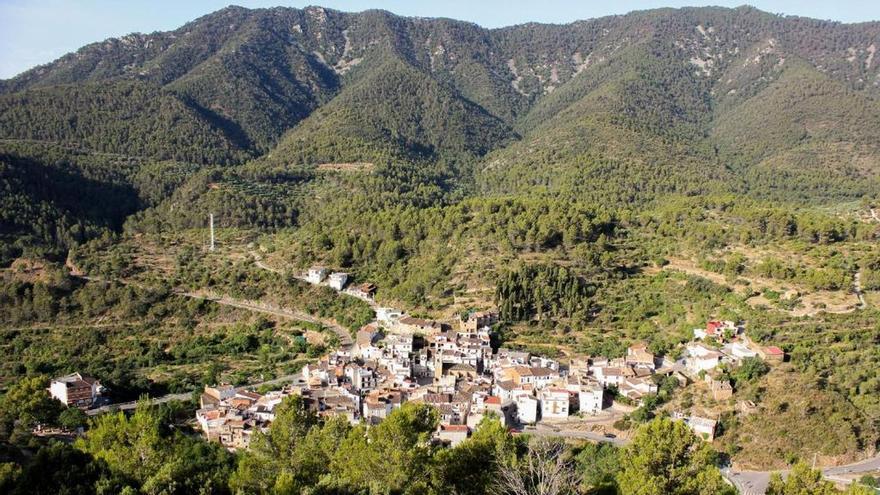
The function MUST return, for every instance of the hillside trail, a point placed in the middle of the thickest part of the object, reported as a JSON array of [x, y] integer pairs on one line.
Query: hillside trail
[[345, 339], [258, 262]]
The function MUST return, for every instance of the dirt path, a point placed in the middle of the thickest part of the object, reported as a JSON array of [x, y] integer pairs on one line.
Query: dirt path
[[344, 335], [345, 340], [258, 262]]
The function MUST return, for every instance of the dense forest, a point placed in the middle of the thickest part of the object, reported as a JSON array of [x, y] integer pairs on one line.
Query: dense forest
[[620, 111]]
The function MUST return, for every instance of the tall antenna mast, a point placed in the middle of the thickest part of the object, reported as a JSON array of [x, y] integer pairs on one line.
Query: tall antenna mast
[[211, 216]]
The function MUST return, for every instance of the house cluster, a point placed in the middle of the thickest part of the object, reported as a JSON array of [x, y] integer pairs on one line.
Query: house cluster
[[319, 275], [399, 358], [631, 375], [76, 390], [724, 342], [720, 342], [231, 416]]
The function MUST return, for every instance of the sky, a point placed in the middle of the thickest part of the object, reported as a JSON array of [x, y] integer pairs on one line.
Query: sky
[[34, 32]]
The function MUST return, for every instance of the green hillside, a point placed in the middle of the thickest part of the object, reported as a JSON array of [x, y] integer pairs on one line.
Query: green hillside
[[605, 182], [396, 112], [125, 118]]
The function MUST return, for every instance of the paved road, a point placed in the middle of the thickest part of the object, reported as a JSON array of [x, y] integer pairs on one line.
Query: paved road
[[545, 430], [755, 482], [865, 466], [748, 482], [128, 406]]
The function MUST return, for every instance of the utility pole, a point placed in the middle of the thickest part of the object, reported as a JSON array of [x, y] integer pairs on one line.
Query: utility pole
[[211, 217]]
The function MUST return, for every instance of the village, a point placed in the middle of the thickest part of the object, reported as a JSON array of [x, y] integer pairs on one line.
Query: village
[[453, 367]]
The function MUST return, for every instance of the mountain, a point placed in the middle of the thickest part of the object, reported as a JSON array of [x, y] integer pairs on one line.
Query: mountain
[[252, 75], [119, 117], [621, 109], [396, 112]]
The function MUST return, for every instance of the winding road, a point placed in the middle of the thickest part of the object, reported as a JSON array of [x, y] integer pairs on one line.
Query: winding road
[[345, 340], [128, 406], [755, 482], [747, 482]]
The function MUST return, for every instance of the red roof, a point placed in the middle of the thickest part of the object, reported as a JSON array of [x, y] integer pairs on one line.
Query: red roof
[[454, 427], [492, 399], [773, 350]]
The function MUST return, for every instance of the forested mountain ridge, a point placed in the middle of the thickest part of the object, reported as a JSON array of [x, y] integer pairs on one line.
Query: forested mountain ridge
[[620, 109], [257, 73]]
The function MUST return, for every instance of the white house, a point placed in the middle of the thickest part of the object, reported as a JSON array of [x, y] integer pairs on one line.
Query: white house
[[75, 390], [316, 274], [739, 351], [338, 279], [591, 397], [716, 329], [505, 389], [554, 403], [538, 376], [362, 379], [526, 408], [399, 344], [610, 375], [702, 427], [701, 358], [370, 353], [453, 434], [210, 419], [635, 388]]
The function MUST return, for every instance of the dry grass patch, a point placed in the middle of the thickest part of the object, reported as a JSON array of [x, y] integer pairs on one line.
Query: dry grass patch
[[797, 419]]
